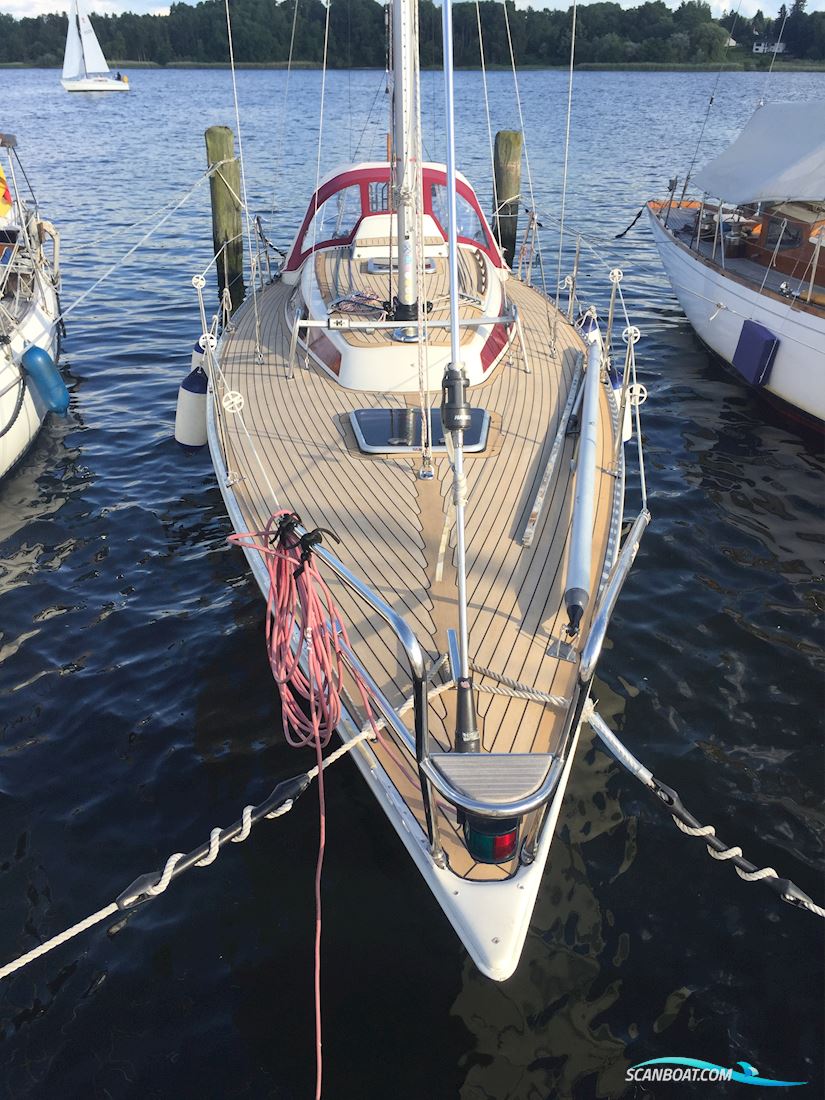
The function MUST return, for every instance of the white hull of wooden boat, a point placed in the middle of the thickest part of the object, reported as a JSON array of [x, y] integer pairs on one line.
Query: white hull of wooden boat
[[716, 305], [96, 84], [38, 326], [490, 918]]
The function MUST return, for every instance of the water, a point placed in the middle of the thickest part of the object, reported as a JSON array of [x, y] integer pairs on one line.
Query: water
[[138, 709]]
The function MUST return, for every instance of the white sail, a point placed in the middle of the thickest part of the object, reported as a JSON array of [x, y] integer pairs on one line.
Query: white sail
[[73, 57], [92, 53]]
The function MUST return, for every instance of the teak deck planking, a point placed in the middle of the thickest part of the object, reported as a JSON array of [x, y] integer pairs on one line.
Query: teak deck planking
[[295, 437]]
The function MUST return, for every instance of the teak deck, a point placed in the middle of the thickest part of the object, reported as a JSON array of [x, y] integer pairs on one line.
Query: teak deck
[[294, 435]]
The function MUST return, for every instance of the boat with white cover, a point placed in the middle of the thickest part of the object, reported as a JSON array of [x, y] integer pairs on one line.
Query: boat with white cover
[[84, 66], [30, 383], [746, 258], [397, 384]]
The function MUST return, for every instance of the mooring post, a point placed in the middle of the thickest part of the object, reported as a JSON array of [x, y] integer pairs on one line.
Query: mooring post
[[227, 231], [507, 168]]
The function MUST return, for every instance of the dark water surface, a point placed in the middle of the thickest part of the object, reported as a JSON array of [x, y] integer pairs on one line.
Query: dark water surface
[[138, 709]]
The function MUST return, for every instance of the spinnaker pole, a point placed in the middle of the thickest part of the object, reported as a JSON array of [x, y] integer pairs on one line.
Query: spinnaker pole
[[577, 587]]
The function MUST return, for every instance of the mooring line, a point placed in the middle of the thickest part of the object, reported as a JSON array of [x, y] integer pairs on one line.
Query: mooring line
[[691, 826], [152, 885]]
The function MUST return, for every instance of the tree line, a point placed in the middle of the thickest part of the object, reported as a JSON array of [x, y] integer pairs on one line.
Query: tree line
[[803, 34], [262, 30]]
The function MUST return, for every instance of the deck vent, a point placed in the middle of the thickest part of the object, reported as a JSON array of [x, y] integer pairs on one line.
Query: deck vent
[[398, 431]]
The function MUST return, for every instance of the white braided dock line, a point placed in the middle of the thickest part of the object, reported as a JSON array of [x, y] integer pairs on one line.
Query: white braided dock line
[[728, 853], [56, 941], [166, 875], [645, 776]]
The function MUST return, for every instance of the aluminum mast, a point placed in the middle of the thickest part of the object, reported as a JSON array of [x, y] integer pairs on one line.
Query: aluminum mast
[[405, 73]]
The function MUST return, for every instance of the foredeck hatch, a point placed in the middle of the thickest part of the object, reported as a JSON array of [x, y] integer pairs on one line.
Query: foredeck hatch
[[398, 431]]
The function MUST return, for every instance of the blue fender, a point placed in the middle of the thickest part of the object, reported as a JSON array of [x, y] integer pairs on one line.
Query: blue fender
[[43, 372]]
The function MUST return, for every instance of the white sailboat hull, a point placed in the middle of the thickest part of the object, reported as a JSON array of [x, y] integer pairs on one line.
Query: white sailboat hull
[[39, 327], [95, 84], [717, 304]]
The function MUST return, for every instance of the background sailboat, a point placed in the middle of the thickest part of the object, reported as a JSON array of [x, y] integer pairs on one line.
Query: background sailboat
[[749, 268], [84, 66]]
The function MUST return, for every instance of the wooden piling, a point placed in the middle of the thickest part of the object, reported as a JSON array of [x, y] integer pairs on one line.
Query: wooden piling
[[507, 168], [225, 190]]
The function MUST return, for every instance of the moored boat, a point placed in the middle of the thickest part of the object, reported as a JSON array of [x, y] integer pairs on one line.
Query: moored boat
[[746, 258], [399, 387], [30, 383]]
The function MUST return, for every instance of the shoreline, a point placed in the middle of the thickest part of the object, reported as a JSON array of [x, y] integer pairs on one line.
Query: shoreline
[[586, 66]]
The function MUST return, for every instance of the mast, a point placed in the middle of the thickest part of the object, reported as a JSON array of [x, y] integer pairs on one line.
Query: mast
[[82, 47], [76, 12], [405, 87]]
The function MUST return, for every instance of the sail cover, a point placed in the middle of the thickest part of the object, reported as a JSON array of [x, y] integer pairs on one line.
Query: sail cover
[[73, 57], [779, 156], [92, 53]]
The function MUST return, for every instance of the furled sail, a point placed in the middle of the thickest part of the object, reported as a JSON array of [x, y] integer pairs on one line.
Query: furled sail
[[73, 57], [92, 53]]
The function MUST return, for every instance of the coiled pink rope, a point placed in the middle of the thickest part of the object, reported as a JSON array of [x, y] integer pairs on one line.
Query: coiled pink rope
[[303, 621]]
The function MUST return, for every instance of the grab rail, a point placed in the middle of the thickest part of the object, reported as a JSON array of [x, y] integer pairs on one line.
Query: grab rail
[[399, 625], [518, 808], [418, 670]]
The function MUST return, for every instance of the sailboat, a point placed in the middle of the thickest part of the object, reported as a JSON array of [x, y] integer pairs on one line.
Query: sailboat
[[399, 386], [84, 66], [745, 256], [30, 382]]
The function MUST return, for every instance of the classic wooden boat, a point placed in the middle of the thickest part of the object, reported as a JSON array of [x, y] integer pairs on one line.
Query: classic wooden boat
[[478, 564], [746, 258], [30, 383]]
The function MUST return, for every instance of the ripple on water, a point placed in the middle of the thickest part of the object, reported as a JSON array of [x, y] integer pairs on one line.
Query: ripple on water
[[138, 710]]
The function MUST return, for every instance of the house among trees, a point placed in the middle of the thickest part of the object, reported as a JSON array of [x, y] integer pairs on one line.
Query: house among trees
[[767, 47]]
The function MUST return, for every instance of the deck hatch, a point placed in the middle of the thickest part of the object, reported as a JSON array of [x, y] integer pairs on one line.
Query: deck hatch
[[398, 431]]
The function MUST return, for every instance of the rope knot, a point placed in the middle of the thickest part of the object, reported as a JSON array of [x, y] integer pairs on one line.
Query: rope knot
[[308, 541], [284, 528]]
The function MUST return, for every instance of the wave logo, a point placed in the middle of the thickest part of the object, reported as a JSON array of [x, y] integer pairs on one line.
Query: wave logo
[[674, 1069]]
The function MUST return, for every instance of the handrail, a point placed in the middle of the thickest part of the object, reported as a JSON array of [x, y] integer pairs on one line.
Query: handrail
[[418, 669], [618, 574], [399, 625], [388, 711], [348, 322], [519, 808]]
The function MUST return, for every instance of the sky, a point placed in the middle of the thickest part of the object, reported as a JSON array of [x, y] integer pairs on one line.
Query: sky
[[39, 7]]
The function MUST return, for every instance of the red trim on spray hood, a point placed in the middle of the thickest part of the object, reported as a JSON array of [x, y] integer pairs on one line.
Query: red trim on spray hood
[[363, 177]]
